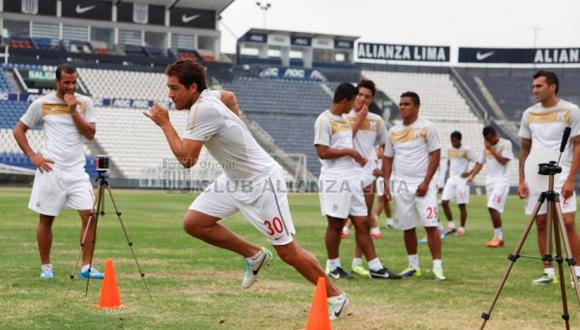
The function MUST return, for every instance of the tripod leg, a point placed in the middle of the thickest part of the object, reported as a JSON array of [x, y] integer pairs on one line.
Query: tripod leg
[[100, 211], [559, 260], [129, 243], [94, 215], [513, 258], [570, 257]]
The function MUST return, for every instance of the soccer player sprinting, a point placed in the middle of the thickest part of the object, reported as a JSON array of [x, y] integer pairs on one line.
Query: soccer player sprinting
[[369, 131], [60, 180], [341, 187], [458, 157], [496, 155], [542, 125], [412, 155], [252, 182]]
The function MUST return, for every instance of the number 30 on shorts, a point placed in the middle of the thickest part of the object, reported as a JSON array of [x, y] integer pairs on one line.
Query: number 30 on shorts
[[274, 226]]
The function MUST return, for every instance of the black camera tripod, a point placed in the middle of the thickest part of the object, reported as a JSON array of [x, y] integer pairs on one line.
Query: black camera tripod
[[99, 210], [555, 222]]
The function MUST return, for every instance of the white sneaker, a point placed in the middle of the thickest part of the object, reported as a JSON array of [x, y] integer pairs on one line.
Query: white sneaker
[[336, 305], [252, 268], [46, 272]]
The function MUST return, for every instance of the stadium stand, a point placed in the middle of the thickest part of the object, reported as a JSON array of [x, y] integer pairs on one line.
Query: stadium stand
[[138, 85], [286, 109]]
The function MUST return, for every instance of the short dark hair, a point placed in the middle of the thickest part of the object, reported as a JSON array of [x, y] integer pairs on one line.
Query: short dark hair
[[344, 91], [550, 76], [456, 135], [414, 96], [368, 84], [65, 67], [487, 130], [188, 72]]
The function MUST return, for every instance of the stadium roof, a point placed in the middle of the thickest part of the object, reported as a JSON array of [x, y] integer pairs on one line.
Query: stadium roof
[[217, 5], [303, 34]]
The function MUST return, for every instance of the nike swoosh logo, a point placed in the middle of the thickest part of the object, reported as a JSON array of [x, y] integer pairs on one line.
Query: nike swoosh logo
[[337, 313], [335, 276], [82, 10], [187, 19], [482, 56], [255, 271]]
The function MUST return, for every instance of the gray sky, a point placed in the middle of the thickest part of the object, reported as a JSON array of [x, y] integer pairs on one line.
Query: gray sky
[[487, 23]]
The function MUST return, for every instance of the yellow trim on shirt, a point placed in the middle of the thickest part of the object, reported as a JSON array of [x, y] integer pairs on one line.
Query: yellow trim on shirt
[[54, 109], [549, 117], [367, 125], [337, 126], [409, 135], [457, 154]]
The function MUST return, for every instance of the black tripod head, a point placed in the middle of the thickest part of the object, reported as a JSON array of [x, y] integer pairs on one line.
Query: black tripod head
[[553, 167]]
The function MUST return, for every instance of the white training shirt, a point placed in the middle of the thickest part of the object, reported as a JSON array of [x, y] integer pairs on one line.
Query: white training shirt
[[497, 172], [410, 146], [371, 133], [545, 127], [227, 139], [63, 143], [459, 159], [335, 132]]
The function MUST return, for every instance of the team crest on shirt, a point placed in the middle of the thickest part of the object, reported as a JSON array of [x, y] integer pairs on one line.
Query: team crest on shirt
[[561, 116], [416, 134], [373, 125]]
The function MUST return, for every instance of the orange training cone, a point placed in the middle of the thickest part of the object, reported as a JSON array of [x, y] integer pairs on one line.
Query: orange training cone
[[110, 297], [318, 318]]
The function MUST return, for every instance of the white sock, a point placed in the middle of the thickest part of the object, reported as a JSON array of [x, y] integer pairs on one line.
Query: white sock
[[551, 273], [451, 224], [441, 228], [375, 264], [345, 230], [333, 263], [413, 260], [437, 263], [255, 258], [375, 230], [356, 262], [85, 268], [46, 267], [577, 269], [498, 233], [389, 220], [462, 229]]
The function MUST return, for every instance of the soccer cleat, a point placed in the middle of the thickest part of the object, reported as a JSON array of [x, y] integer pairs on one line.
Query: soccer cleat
[[390, 223], [438, 274], [46, 272], [336, 305], [383, 273], [378, 235], [450, 230], [359, 270], [459, 232], [253, 268], [339, 273], [545, 279], [422, 240], [344, 232], [94, 274], [411, 272], [495, 243]]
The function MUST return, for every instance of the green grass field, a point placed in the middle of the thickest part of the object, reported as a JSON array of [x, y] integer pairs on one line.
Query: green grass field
[[196, 286]]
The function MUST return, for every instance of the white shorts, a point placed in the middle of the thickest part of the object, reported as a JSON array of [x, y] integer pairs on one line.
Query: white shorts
[[409, 205], [341, 198], [567, 205], [497, 193], [380, 186], [52, 191], [263, 202], [456, 190]]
